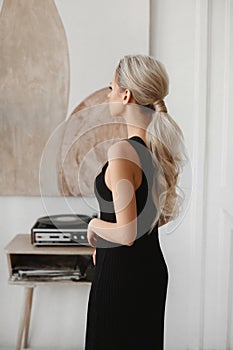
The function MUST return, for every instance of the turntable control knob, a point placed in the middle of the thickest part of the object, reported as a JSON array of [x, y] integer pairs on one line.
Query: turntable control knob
[[82, 237], [75, 237]]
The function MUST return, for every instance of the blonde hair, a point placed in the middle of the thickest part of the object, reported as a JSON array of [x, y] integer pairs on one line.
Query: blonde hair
[[148, 82]]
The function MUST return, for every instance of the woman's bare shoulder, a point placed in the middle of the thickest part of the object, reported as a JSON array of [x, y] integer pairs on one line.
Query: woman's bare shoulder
[[122, 149]]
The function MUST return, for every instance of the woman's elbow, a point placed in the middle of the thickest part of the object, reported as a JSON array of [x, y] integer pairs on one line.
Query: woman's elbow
[[129, 240], [130, 244]]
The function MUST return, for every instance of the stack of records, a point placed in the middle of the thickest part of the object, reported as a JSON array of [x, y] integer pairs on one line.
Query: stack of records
[[47, 275]]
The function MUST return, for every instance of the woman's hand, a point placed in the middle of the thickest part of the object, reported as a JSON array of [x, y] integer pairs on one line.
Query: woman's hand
[[91, 235]]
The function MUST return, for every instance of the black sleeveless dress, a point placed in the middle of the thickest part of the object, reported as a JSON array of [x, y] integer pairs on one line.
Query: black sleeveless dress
[[127, 299]]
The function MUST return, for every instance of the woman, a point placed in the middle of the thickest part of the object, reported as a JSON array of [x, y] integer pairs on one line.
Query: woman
[[137, 193]]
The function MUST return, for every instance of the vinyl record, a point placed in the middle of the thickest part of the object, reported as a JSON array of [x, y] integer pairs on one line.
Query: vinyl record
[[63, 221]]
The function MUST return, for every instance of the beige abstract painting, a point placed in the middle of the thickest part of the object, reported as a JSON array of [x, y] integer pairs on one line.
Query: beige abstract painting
[[34, 89]]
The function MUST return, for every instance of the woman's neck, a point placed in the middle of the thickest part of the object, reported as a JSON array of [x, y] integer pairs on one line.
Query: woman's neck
[[137, 121], [134, 131]]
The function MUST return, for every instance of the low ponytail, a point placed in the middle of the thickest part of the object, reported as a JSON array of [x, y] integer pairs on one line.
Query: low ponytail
[[166, 142]]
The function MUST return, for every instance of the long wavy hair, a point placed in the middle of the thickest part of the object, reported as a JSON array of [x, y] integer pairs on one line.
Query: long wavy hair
[[148, 82]]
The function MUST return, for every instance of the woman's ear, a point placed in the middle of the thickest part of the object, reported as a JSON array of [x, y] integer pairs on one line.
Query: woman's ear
[[127, 95]]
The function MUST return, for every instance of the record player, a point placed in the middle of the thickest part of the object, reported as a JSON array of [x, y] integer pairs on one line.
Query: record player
[[64, 229]]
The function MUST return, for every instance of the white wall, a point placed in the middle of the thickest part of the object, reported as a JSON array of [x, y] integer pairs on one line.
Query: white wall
[[173, 42], [194, 39], [98, 34]]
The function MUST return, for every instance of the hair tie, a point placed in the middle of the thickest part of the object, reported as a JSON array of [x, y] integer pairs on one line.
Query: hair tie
[[160, 106]]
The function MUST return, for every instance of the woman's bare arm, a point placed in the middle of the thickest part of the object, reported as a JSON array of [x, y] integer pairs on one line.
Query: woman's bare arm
[[121, 183]]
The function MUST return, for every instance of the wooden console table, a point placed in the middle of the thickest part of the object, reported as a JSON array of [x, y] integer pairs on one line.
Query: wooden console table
[[20, 252]]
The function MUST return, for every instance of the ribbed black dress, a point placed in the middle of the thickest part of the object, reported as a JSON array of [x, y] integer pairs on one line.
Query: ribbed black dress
[[127, 299]]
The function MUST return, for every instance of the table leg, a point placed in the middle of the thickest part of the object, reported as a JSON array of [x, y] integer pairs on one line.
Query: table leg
[[28, 316], [25, 316]]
